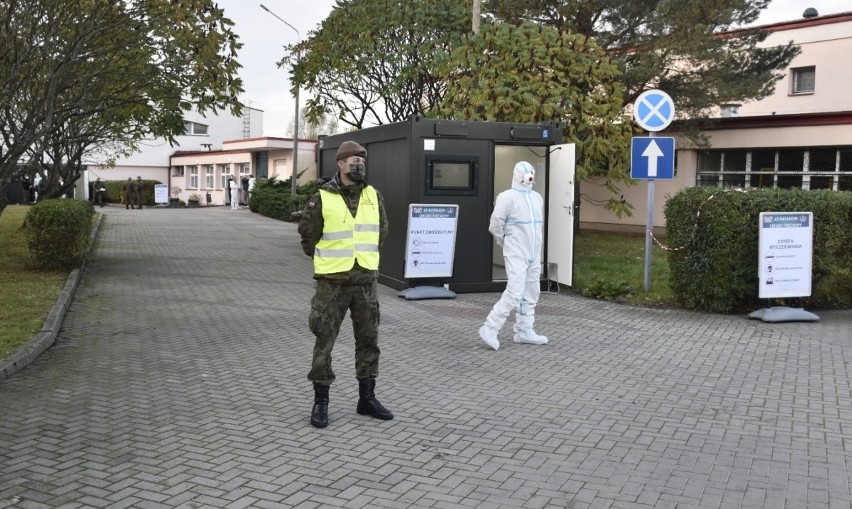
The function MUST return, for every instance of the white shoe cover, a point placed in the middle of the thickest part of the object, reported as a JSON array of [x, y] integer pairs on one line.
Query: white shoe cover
[[489, 335], [529, 336]]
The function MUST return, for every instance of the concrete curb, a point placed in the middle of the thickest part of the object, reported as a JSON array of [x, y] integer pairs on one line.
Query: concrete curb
[[50, 329]]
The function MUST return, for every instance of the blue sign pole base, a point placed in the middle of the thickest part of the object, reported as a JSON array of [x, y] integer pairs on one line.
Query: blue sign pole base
[[784, 314]]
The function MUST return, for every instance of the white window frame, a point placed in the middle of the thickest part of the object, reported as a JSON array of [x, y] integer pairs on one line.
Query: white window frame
[[244, 170], [224, 172], [193, 177], [208, 176], [177, 171], [195, 129]]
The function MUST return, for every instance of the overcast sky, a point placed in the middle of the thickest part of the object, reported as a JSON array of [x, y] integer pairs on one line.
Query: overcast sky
[[263, 37]]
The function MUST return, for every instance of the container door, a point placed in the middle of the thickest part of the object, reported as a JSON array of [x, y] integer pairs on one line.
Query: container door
[[560, 215], [505, 158]]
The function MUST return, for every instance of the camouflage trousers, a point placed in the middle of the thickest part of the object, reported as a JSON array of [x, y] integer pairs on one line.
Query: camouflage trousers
[[328, 309]]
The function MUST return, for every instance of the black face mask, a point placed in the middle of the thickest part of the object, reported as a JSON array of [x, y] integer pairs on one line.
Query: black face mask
[[357, 171]]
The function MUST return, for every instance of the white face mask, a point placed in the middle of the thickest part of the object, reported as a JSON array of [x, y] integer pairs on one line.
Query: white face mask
[[528, 179]]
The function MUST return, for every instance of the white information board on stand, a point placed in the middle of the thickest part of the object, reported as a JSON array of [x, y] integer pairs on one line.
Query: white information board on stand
[[785, 254], [161, 194], [785, 257], [430, 243]]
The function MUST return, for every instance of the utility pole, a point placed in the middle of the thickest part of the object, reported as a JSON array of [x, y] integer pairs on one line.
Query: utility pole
[[477, 11], [294, 176]]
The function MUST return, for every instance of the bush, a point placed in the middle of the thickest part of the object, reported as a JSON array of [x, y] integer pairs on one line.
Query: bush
[[717, 268], [273, 198], [57, 232], [609, 290]]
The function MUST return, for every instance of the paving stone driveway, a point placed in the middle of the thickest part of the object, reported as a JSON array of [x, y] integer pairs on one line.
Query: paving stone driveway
[[179, 380]]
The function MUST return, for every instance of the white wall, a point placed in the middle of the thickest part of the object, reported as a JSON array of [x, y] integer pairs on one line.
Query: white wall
[[222, 127], [828, 48]]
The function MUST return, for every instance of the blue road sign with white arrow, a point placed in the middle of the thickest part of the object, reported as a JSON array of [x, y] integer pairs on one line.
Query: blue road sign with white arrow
[[652, 158]]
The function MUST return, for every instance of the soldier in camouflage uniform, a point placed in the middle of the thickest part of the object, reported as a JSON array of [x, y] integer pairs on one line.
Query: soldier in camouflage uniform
[[138, 187], [342, 227], [128, 193], [98, 192]]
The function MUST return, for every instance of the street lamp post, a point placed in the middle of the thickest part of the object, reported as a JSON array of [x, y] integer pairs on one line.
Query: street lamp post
[[294, 175]]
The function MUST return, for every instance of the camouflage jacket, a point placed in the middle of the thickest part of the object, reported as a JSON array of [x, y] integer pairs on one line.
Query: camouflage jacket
[[311, 226]]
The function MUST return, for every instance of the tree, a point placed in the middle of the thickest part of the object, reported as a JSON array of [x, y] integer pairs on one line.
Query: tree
[[673, 45], [313, 129], [532, 73], [370, 54], [76, 76], [375, 61]]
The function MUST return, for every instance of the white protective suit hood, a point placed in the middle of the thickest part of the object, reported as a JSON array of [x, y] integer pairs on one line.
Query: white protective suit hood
[[523, 176]]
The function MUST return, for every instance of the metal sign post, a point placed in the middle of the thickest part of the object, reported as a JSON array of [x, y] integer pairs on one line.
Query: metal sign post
[[649, 224], [653, 111]]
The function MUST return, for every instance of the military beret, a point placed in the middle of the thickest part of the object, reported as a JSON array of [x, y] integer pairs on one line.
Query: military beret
[[350, 148]]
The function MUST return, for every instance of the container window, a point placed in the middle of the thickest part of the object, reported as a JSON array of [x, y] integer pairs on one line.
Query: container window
[[451, 175]]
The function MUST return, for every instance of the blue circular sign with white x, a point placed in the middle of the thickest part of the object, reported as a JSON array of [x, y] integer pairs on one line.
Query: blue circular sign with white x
[[653, 110]]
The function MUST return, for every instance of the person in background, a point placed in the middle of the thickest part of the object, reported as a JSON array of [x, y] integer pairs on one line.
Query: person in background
[[36, 186], [128, 193], [251, 183], [517, 225], [98, 192], [138, 189], [342, 227], [26, 189], [235, 193], [244, 185]]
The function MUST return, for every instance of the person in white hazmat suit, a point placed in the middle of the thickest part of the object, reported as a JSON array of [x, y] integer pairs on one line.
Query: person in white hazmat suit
[[235, 193], [517, 225]]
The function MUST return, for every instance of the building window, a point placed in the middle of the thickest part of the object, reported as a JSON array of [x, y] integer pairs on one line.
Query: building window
[[193, 177], [194, 128], [177, 171], [244, 169], [789, 168], [225, 172], [791, 163], [844, 166], [282, 169], [822, 160], [208, 176], [804, 80]]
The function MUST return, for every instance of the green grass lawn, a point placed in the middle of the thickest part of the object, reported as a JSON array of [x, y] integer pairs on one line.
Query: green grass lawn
[[611, 266], [26, 295]]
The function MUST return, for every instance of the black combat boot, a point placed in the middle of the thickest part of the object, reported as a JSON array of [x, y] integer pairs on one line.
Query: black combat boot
[[319, 415], [368, 404]]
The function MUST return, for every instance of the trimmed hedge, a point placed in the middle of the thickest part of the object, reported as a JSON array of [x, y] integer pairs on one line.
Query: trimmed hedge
[[57, 232], [717, 270], [273, 198]]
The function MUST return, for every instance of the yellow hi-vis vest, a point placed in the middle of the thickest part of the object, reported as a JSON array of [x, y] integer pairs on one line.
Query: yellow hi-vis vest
[[346, 239]]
